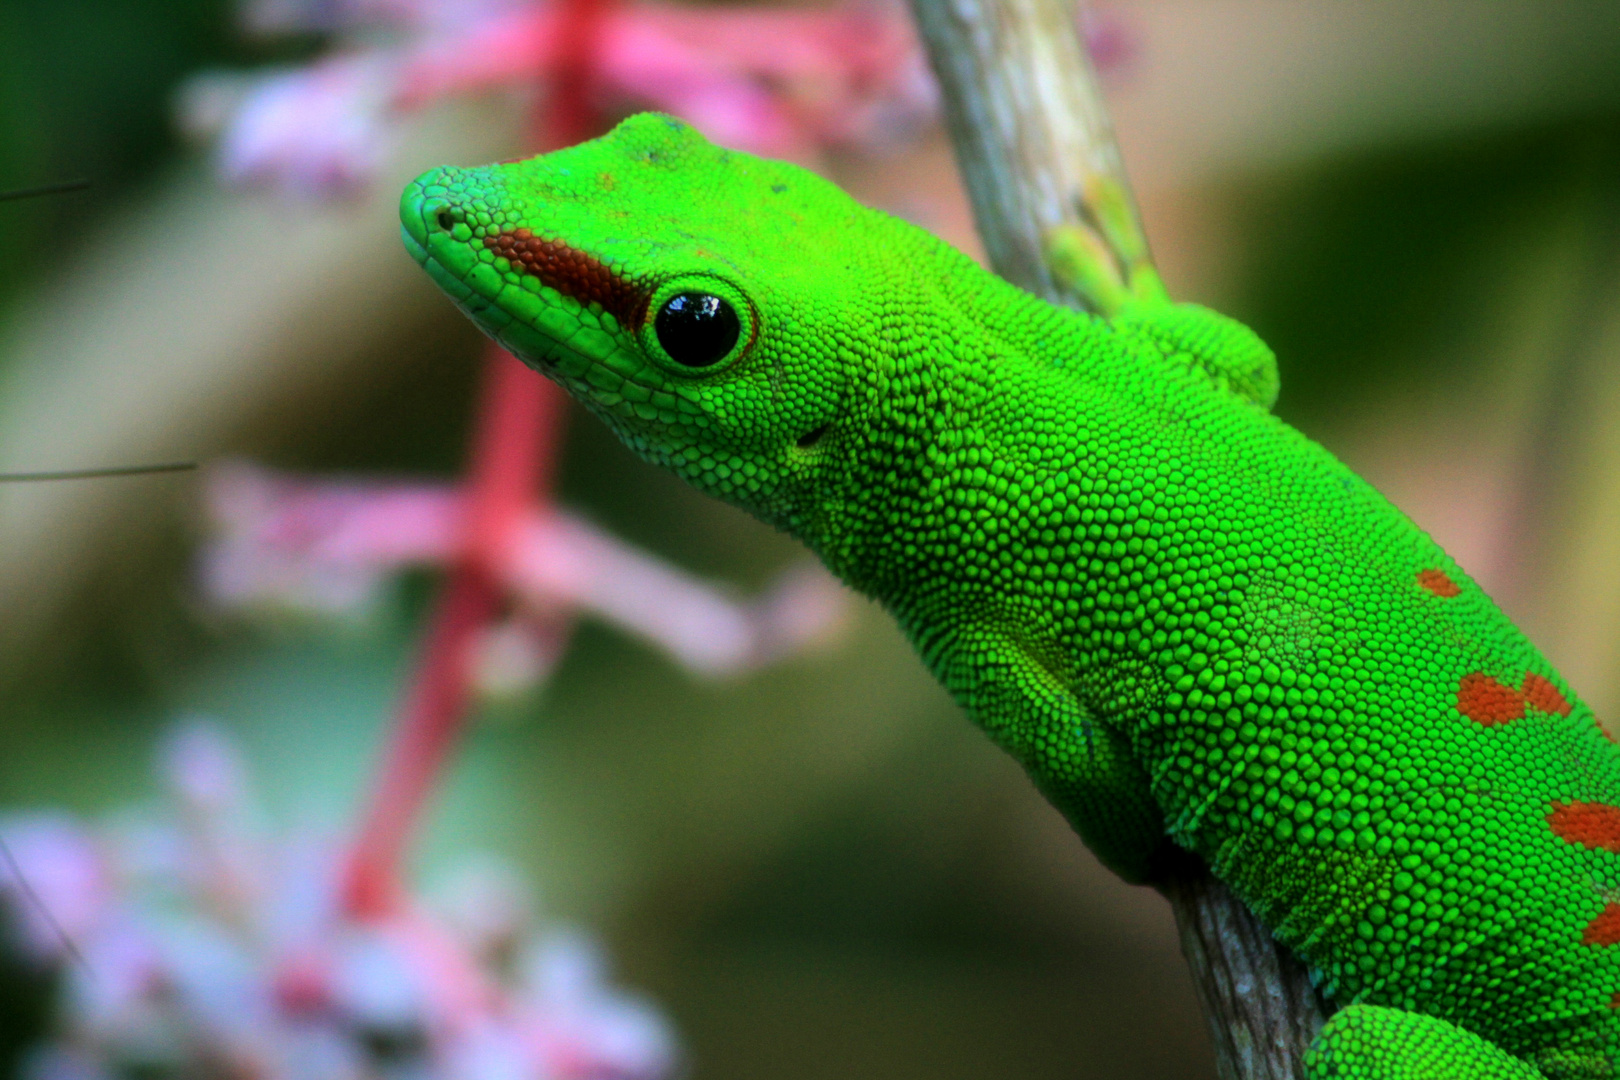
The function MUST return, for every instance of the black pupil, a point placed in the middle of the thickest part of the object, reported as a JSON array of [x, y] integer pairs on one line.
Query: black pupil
[[697, 329]]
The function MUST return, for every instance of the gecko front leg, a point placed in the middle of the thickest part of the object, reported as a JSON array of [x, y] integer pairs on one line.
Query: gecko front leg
[[1080, 762]]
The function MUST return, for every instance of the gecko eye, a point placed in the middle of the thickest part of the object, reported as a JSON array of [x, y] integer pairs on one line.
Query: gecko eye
[[697, 329]]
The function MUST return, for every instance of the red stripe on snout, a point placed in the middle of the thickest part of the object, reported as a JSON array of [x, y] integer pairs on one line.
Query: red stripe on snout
[[572, 272]]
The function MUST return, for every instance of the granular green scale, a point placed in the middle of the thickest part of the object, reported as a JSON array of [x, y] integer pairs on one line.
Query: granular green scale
[[1192, 625]]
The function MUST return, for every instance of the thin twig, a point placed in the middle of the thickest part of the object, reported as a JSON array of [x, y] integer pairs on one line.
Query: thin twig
[[97, 474], [44, 189], [39, 905]]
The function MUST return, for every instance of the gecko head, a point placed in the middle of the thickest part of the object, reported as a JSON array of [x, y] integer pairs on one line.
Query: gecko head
[[681, 291]]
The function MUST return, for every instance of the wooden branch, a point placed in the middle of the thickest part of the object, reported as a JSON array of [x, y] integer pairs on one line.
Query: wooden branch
[[1038, 155], [1258, 998], [1027, 118]]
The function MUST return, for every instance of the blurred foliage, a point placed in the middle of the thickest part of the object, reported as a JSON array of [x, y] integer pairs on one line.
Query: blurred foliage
[[86, 91], [25, 999], [1365, 269]]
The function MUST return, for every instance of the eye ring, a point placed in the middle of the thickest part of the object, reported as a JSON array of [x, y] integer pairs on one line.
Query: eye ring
[[696, 325]]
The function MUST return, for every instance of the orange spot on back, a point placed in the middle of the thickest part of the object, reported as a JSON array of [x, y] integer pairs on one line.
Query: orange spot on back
[[1486, 701], [1605, 929], [1593, 825], [1543, 695], [1614, 1000], [1437, 582]]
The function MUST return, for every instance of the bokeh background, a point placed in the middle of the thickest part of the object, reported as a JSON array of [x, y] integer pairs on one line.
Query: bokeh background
[[817, 869]]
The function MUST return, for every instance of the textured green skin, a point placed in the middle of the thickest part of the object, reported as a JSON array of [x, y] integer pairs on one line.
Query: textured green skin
[[1190, 623]]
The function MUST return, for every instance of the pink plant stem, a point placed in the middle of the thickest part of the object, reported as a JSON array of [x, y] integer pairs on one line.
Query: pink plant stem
[[572, 116], [514, 449]]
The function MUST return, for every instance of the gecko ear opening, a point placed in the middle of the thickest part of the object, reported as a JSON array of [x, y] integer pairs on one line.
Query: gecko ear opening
[[813, 436]]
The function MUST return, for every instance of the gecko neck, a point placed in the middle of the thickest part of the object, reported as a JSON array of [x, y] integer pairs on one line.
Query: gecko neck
[[942, 444]]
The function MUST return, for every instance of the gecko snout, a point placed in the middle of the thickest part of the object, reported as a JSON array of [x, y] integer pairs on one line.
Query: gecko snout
[[438, 202]]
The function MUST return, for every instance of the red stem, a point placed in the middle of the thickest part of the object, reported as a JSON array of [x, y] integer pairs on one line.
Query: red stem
[[571, 115], [514, 448]]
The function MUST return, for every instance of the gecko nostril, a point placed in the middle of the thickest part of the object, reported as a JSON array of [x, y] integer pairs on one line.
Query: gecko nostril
[[446, 220]]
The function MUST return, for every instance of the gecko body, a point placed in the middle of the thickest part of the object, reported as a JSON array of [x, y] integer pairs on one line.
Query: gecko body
[[1192, 625]]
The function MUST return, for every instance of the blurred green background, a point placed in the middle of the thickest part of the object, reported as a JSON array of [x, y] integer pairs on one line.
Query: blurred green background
[[818, 870]]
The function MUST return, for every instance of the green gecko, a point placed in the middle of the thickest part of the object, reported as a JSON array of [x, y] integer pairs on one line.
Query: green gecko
[[1192, 625]]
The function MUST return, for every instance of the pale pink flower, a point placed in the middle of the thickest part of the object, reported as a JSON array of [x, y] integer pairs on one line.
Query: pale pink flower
[[574, 1017], [779, 82], [775, 81], [1108, 38], [319, 130], [329, 16], [331, 545], [782, 82], [191, 974]]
